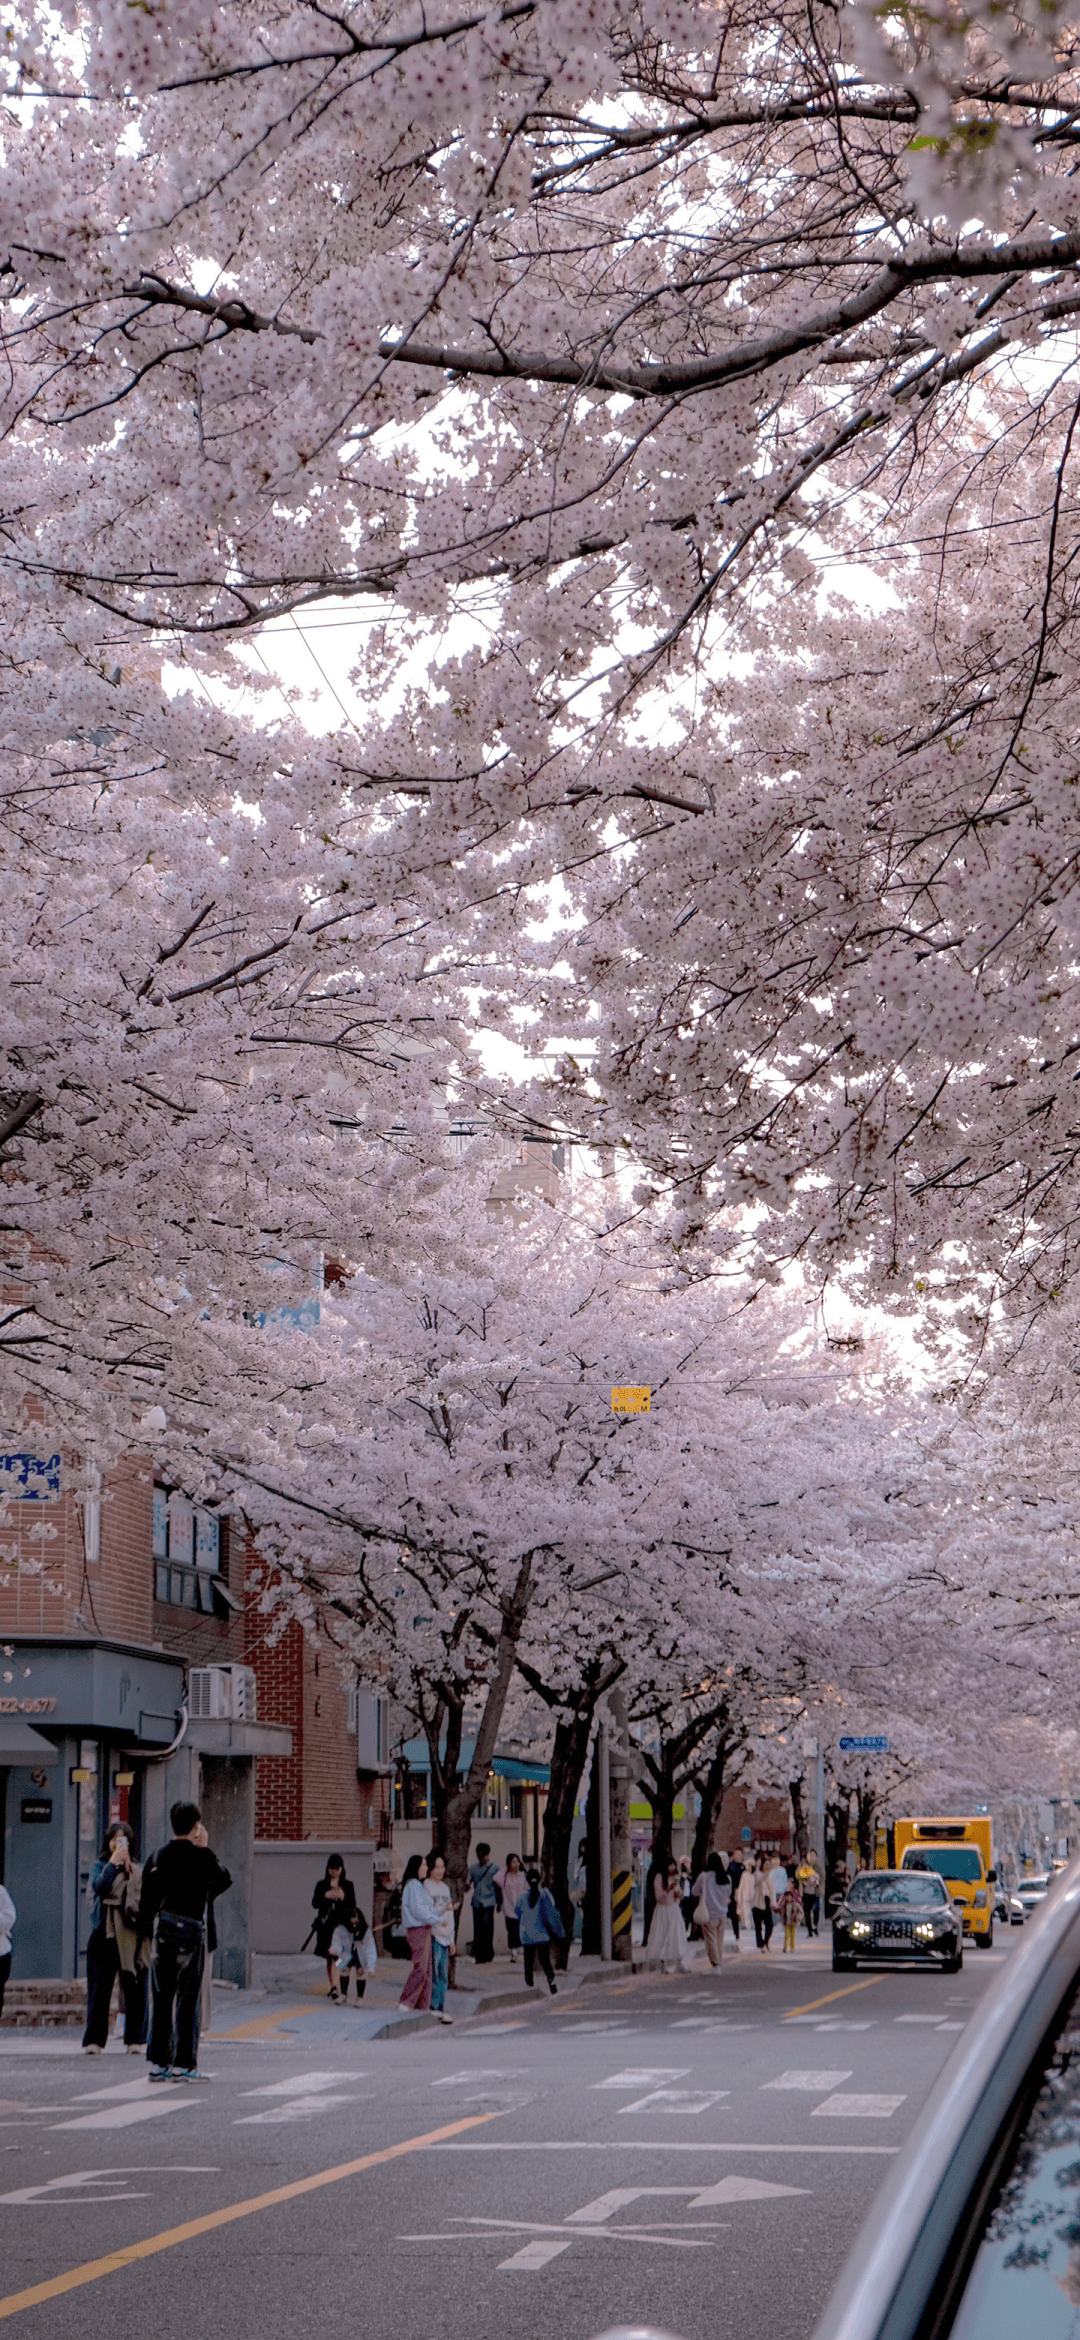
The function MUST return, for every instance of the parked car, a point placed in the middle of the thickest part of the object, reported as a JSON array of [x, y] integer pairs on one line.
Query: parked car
[[974, 2232], [898, 1913]]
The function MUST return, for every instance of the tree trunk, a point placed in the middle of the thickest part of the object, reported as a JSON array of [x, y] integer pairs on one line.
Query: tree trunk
[[866, 1804], [567, 1764], [590, 1927], [463, 1802], [798, 1813], [711, 1792]]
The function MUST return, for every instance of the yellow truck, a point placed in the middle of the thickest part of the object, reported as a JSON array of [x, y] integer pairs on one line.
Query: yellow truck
[[961, 1851]]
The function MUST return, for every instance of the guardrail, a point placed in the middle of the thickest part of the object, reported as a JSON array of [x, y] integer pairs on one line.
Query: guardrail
[[908, 2266]]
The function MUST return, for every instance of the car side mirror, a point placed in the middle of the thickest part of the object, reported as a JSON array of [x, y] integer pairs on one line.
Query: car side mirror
[[991, 1876]]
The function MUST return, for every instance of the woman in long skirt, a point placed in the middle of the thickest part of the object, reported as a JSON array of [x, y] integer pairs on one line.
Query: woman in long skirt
[[419, 1916], [667, 1933]]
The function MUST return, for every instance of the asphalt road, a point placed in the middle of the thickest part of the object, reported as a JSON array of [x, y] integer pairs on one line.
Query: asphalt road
[[697, 2153]]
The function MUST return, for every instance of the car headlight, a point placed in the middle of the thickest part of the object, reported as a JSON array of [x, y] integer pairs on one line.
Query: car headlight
[[980, 1901], [859, 1928]]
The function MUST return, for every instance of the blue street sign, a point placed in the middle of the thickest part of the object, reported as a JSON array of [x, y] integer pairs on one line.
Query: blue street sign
[[746, 1835], [866, 1746]]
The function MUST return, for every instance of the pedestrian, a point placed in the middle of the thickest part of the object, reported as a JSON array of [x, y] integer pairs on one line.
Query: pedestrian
[[712, 1893], [744, 1898], [484, 1879], [667, 1939], [790, 1907], [8, 1915], [179, 1885], [540, 1925], [334, 1904], [419, 1917], [734, 1867], [442, 1933], [778, 1879], [659, 1863], [114, 1947], [761, 1901], [513, 1885], [808, 1880], [687, 1895]]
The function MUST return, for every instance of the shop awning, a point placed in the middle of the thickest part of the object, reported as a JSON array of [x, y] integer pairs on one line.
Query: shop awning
[[518, 1772], [19, 1744]]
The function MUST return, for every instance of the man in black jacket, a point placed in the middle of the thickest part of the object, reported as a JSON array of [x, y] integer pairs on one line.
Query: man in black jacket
[[179, 1885]]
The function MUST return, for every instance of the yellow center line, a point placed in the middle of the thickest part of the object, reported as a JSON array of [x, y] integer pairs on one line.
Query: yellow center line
[[261, 2025], [111, 2264], [813, 2004]]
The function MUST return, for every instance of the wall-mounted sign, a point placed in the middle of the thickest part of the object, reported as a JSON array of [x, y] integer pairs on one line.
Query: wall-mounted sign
[[631, 1401], [37, 1808], [27, 1706], [30, 1478], [80, 1776], [865, 1746]]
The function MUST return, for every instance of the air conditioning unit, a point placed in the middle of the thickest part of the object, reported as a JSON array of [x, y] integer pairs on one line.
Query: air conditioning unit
[[221, 1693]]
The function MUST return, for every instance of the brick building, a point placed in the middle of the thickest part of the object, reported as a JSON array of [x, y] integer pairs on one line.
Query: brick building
[[108, 1602]]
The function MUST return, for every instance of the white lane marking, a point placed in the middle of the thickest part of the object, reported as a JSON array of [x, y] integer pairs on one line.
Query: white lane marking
[[295, 2108], [303, 2083], [859, 2108], [124, 2116], [676, 2100], [693, 2240], [535, 2254], [117, 2094], [815, 2080], [56, 2190], [729, 2189], [838, 2023], [609, 2025], [741, 2189], [916, 2018], [952, 2027], [644, 2076], [710, 2023], [646, 2145], [482, 2072], [495, 2030]]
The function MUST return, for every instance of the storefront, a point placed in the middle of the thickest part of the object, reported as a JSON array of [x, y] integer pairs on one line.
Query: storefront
[[92, 1732]]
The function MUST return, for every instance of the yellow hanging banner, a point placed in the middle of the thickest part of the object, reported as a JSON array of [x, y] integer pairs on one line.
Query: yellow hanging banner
[[631, 1401]]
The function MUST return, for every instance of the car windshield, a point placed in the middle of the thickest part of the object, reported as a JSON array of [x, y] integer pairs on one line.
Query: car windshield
[[949, 1860], [895, 1892], [1025, 2276]]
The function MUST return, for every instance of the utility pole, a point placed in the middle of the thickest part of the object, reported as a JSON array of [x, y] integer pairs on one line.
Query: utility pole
[[814, 1776], [605, 1843]]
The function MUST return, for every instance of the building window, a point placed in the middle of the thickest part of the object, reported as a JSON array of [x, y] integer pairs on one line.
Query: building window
[[187, 1552]]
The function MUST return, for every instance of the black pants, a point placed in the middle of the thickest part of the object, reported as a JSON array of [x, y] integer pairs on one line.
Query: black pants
[[538, 1953], [763, 1925], [811, 1907], [513, 1933], [5, 1970], [483, 1936], [102, 1967], [734, 1916], [176, 1972]]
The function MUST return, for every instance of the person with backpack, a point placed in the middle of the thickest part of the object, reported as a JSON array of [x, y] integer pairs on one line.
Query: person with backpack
[[540, 1926], [114, 1947], [179, 1885], [486, 1899], [712, 1892]]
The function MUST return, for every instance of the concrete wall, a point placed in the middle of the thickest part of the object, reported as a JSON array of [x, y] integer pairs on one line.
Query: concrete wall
[[284, 1877]]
